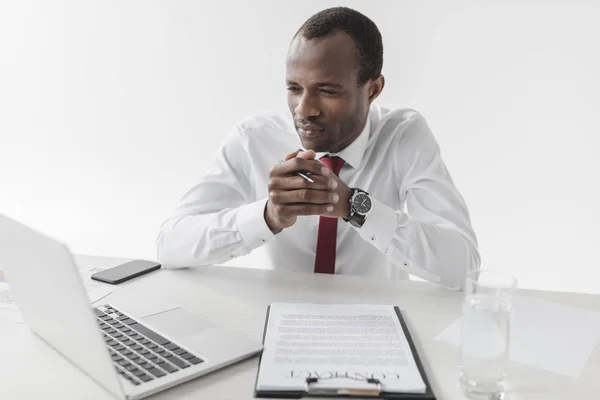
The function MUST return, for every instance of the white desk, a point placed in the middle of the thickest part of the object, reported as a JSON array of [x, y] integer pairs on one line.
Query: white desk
[[29, 369]]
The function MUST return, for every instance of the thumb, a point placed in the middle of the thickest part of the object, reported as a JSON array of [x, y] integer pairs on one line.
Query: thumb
[[308, 155], [292, 155]]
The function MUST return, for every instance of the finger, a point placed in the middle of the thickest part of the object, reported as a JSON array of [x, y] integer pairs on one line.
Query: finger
[[294, 210], [292, 155], [299, 164], [304, 196], [297, 182]]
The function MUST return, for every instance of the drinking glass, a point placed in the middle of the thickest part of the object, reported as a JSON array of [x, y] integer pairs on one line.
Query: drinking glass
[[485, 332]]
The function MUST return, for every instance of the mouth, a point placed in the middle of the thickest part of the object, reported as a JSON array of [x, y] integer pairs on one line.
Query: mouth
[[310, 131]]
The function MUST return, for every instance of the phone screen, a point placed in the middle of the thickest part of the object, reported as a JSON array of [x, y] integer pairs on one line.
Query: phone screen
[[126, 271]]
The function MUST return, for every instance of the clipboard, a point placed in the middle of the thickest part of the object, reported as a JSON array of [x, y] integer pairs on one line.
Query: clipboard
[[375, 392]]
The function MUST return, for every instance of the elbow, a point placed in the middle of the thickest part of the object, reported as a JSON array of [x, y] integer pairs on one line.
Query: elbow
[[172, 250], [166, 253], [472, 263]]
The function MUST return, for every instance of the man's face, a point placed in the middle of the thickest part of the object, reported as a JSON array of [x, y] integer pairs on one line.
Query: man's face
[[328, 106]]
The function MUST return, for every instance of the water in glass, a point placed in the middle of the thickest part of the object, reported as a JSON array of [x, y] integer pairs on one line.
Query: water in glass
[[484, 344]]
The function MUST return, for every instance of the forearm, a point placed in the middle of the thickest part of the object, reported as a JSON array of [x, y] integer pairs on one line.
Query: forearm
[[440, 251], [212, 238]]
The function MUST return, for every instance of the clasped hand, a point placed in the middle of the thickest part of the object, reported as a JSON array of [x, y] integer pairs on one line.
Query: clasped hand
[[291, 196]]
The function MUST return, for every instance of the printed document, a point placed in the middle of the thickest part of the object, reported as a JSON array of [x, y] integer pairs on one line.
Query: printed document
[[341, 345]]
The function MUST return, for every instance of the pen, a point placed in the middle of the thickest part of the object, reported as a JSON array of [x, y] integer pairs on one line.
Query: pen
[[302, 174]]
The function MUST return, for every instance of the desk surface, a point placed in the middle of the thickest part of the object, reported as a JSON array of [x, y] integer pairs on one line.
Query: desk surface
[[238, 297]]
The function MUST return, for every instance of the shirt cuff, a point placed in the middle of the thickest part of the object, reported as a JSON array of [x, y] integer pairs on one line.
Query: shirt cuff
[[380, 226], [252, 225]]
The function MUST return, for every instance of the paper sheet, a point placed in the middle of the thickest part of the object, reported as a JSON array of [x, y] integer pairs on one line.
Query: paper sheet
[[95, 290], [336, 343], [546, 335]]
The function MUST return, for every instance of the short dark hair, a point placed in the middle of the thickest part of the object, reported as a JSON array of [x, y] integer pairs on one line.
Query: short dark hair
[[359, 27]]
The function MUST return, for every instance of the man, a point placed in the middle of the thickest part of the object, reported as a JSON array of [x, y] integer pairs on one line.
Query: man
[[375, 200]]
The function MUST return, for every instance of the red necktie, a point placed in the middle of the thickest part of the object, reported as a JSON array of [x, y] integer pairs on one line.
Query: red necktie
[[327, 236]]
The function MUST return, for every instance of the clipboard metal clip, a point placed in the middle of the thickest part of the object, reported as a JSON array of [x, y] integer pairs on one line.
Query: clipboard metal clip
[[375, 390]]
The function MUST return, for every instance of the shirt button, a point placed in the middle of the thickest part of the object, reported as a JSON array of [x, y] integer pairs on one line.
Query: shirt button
[[373, 238], [263, 240]]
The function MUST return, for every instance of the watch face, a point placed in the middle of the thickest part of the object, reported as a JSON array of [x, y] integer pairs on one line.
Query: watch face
[[362, 203]]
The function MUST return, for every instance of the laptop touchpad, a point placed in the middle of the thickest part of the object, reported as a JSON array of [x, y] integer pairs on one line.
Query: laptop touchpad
[[177, 323]]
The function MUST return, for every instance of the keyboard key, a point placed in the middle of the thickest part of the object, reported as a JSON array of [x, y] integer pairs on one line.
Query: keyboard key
[[137, 347], [119, 347], [98, 312], [121, 318], [145, 378], [113, 322], [112, 343], [168, 367], [111, 331], [156, 372], [152, 357], [127, 352], [196, 360], [145, 341], [171, 346], [131, 368], [123, 362], [116, 357], [144, 352], [152, 346], [139, 361], [150, 334], [146, 365], [177, 361], [187, 356], [179, 352], [118, 335], [128, 342], [138, 372]]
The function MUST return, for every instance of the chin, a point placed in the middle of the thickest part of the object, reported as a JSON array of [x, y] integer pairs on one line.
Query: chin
[[314, 146]]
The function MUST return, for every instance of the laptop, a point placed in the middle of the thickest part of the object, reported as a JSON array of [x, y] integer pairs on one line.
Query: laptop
[[131, 348]]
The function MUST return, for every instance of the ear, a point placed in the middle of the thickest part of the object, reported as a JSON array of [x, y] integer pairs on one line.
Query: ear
[[376, 87]]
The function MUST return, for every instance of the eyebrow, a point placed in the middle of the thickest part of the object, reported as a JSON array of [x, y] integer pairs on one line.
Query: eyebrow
[[320, 84]]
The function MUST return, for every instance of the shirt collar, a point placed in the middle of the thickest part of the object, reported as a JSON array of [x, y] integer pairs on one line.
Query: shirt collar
[[353, 153]]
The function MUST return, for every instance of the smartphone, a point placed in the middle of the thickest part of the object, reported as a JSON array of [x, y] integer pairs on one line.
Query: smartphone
[[126, 271]]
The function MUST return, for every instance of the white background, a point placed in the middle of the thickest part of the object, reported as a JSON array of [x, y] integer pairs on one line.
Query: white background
[[110, 110]]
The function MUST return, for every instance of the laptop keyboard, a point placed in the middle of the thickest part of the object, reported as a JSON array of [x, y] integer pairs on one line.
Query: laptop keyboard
[[138, 353]]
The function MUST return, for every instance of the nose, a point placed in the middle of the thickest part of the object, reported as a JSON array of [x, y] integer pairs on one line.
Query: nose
[[307, 107]]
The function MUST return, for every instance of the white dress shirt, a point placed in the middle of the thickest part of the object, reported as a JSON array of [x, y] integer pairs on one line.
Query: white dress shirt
[[418, 224]]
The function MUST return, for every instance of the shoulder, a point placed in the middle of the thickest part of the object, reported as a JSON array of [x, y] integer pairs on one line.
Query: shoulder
[[393, 119], [400, 124]]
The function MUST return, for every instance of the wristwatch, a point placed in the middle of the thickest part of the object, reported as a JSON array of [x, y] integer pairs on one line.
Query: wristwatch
[[360, 206]]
